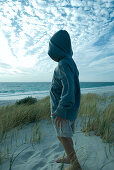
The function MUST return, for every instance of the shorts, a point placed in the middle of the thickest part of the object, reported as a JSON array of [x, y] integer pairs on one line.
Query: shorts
[[66, 131]]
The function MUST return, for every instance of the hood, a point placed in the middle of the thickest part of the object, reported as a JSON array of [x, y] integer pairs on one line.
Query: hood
[[60, 46]]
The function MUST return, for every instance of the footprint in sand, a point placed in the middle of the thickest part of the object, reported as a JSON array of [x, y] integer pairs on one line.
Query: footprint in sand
[[27, 155], [54, 149], [39, 165], [44, 152]]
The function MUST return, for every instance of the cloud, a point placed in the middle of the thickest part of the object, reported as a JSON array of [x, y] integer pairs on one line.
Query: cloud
[[26, 27], [4, 65], [104, 39]]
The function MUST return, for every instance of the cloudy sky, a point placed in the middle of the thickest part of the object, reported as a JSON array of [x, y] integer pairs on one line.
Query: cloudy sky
[[27, 25]]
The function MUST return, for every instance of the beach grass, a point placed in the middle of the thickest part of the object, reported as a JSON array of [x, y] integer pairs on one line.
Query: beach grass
[[98, 115], [96, 112], [12, 116]]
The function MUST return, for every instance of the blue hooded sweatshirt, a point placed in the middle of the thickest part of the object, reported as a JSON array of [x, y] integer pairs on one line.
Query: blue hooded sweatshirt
[[65, 86]]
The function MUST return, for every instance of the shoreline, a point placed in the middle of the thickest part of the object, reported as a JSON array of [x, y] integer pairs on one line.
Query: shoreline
[[98, 92], [7, 102], [12, 101]]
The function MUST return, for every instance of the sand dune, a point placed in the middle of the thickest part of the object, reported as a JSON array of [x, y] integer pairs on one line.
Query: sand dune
[[91, 151]]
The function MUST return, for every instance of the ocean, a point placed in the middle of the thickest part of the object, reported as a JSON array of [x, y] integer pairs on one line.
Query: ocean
[[12, 91]]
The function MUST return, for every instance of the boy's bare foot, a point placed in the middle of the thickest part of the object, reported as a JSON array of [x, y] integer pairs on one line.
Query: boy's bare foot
[[63, 160]]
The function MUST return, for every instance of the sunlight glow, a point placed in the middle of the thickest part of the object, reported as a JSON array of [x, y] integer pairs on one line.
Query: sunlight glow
[[27, 26]]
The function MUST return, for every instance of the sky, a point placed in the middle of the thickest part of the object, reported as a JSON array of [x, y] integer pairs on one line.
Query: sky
[[26, 27]]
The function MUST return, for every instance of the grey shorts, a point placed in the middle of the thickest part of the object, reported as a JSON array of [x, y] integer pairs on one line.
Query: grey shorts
[[66, 131]]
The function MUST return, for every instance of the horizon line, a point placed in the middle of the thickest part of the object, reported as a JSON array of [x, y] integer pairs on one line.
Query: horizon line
[[50, 82]]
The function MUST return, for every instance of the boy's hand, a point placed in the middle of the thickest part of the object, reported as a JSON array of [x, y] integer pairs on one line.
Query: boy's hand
[[59, 120]]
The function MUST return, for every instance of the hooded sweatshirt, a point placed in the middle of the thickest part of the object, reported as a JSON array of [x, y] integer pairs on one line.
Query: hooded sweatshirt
[[65, 86]]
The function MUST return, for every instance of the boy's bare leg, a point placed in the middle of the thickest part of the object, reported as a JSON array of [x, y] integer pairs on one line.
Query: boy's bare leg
[[61, 159], [69, 149]]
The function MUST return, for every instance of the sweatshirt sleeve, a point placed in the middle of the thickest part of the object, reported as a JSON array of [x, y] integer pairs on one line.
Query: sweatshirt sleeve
[[67, 99]]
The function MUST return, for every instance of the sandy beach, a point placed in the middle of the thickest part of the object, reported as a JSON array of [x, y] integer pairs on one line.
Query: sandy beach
[[108, 91], [92, 152], [35, 147]]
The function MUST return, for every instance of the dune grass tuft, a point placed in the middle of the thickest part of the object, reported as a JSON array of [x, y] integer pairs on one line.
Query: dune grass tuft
[[95, 118], [27, 100], [12, 116]]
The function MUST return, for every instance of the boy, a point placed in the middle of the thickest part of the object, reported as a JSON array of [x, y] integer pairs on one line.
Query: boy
[[64, 95]]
